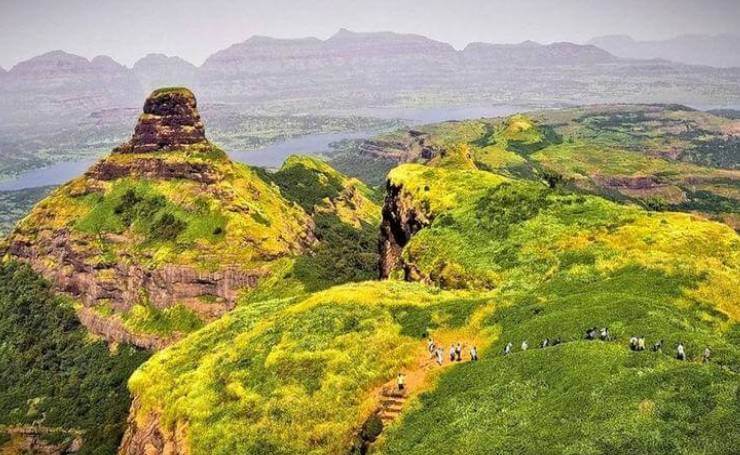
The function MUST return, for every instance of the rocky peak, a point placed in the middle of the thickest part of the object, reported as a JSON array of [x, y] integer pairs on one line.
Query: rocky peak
[[170, 121]]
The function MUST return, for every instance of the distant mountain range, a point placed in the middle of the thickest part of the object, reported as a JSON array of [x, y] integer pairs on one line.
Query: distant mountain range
[[721, 51], [353, 70]]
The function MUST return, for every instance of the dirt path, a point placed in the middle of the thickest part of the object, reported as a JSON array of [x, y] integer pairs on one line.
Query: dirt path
[[420, 376]]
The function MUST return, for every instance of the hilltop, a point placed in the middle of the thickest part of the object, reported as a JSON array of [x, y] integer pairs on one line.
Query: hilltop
[[160, 236]]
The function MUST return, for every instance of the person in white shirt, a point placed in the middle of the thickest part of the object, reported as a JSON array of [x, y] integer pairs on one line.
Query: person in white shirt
[[680, 352], [507, 349]]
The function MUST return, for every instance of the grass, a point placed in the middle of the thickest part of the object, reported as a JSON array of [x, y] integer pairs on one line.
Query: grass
[[561, 263], [293, 376], [588, 396], [144, 318]]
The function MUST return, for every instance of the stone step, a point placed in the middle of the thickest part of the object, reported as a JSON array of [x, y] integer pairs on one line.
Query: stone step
[[394, 394], [392, 400], [393, 408]]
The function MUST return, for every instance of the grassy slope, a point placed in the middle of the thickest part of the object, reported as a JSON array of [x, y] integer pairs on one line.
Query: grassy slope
[[153, 222], [562, 263], [210, 226], [294, 375], [588, 148]]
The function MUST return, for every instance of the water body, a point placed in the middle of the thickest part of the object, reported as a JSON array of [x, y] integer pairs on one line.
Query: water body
[[273, 155], [313, 144], [56, 174]]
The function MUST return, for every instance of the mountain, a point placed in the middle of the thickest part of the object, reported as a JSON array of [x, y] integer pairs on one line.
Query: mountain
[[349, 72], [353, 64], [719, 51], [162, 235], [482, 259], [282, 306], [532, 54], [159, 70], [45, 87]]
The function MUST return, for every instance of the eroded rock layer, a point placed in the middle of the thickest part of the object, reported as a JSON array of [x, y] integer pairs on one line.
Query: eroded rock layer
[[170, 121]]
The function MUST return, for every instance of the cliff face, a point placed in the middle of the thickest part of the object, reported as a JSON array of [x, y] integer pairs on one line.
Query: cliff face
[[401, 219], [145, 435], [166, 225]]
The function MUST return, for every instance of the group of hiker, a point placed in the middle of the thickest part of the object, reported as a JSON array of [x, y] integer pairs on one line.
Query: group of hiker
[[638, 344], [547, 342], [455, 353], [603, 334]]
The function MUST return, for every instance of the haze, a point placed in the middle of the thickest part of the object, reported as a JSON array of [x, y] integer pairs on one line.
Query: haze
[[193, 29]]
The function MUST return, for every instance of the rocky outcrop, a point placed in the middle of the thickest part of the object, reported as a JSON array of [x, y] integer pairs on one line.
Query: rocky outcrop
[[635, 182], [170, 121], [107, 170], [412, 146], [64, 262], [109, 284], [145, 435], [401, 219]]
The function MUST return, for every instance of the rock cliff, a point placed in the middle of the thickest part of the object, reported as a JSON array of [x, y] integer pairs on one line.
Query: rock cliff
[[170, 121], [401, 219]]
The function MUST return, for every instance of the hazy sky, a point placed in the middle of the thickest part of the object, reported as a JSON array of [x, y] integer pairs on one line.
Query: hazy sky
[[129, 29]]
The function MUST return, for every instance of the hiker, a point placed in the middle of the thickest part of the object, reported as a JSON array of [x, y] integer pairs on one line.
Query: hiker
[[440, 355], [658, 347], [401, 381], [524, 345], [473, 354], [706, 355], [633, 343], [555, 342], [452, 353], [430, 346], [604, 334], [544, 343], [507, 349], [591, 333], [458, 352], [641, 344], [680, 352]]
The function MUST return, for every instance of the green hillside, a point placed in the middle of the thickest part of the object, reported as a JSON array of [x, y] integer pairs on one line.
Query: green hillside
[[302, 375]]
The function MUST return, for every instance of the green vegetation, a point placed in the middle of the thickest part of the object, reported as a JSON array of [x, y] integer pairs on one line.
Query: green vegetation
[[144, 318], [293, 376], [516, 241], [167, 90], [297, 374], [52, 371]]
